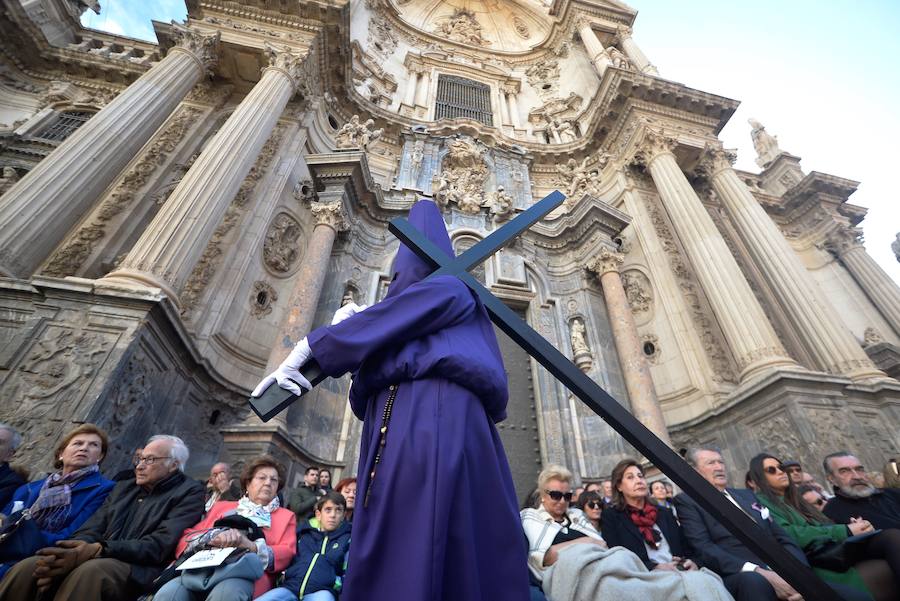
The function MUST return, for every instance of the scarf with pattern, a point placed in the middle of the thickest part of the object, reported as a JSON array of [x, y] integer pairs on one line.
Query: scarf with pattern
[[261, 515], [51, 508], [644, 519]]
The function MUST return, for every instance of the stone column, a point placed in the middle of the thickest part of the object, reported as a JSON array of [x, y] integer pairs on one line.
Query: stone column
[[635, 370], [422, 89], [410, 98], [41, 208], [330, 219], [634, 52], [504, 109], [167, 251], [593, 47], [880, 288], [747, 329], [514, 108], [826, 338]]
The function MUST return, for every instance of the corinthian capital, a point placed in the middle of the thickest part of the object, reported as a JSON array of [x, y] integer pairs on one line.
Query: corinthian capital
[[606, 260], [203, 47], [290, 63], [623, 31], [843, 239], [653, 144], [330, 214], [715, 159]]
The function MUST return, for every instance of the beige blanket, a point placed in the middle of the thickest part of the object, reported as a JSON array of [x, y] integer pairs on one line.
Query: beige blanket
[[588, 572]]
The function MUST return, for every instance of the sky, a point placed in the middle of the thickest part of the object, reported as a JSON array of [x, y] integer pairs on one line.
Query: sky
[[819, 75]]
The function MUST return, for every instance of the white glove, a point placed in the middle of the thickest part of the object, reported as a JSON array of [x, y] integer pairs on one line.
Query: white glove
[[288, 374], [348, 310]]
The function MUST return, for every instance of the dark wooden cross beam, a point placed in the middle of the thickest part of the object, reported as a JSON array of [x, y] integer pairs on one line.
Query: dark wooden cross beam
[[591, 394]]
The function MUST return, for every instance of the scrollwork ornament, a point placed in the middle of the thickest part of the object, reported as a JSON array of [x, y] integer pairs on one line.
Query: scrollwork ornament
[[201, 46], [330, 214], [656, 143], [282, 58], [715, 159]]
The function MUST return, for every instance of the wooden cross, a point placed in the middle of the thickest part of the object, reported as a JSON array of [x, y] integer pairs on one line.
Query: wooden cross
[[801, 577]]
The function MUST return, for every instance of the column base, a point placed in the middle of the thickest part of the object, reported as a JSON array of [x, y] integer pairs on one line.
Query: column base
[[766, 365], [132, 278]]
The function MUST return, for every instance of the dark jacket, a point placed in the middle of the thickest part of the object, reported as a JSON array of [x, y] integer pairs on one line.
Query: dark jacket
[[718, 549], [88, 494], [302, 501], [619, 531], [142, 528], [9, 482], [320, 560], [882, 509]]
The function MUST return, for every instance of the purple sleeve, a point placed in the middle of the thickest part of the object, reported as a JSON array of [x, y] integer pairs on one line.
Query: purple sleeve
[[420, 310]]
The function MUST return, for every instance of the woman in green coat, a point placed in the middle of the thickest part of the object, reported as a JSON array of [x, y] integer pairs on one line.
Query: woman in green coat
[[810, 527]]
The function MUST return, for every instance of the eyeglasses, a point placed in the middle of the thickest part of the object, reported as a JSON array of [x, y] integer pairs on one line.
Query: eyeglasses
[[558, 495], [793, 469], [593, 505], [774, 469], [149, 460]]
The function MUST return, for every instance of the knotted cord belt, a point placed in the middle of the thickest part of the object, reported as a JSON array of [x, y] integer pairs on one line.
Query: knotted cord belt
[[385, 420]]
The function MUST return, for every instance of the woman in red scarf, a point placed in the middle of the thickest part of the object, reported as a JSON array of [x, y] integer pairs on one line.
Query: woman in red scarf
[[647, 530]]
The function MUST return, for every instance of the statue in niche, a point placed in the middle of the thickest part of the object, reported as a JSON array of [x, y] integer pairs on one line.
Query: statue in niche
[[462, 27], [766, 144], [415, 159], [354, 134], [580, 350], [463, 173], [500, 204], [617, 59], [574, 177], [10, 177]]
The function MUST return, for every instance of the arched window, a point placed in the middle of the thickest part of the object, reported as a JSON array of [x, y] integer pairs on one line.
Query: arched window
[[461, 97], [63, 125]]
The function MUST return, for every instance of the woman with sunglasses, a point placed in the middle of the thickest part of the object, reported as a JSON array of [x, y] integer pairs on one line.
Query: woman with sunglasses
[[648, 530], [811, 529], [591, 504]]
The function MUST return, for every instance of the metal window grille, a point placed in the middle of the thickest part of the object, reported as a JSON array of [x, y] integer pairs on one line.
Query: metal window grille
[[65, 123], [460, 97]]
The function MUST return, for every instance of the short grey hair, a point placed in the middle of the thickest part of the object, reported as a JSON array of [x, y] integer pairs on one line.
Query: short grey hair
[[179, 450], [16, 438], [691, 454], [826, 463]]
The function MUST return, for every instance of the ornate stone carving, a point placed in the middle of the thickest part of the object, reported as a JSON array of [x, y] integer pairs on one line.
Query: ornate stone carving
[[580, 179], [202, 46], [354, 134], [563, 128], [61, 91], [872, 336], [618, 60], [653, 144], [280, 250], [290, 63], [214, 94], [715, 159], [381, 40], [842, 240], [463, 173], [329, 213], [415, 159], [543, 76], [68, 259], [581, 352], [521, 27], [305, 191], [605, 261], [638, 291], [895, 246], [500, 205], [462, 27], [10, 177], [262, 297], [206, 267], [777, 434], [766, 144]]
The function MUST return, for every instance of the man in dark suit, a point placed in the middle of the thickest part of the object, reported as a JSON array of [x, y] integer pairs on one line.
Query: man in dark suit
[[745, 575]]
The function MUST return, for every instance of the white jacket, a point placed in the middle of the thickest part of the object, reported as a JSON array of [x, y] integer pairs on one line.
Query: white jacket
[[541, 529]]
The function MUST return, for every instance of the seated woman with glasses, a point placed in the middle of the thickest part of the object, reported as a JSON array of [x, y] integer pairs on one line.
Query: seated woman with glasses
[[570, 557], [648, 530], [591, 503], [799, 513], [266, 556]]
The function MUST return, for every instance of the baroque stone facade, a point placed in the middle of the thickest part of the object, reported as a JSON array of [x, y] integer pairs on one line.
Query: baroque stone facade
[[146, 289]]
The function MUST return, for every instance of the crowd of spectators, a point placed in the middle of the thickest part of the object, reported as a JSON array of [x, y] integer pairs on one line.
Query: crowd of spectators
[[76, 534]]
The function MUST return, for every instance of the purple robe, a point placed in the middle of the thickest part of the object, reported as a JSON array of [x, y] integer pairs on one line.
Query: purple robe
[[442, 520]]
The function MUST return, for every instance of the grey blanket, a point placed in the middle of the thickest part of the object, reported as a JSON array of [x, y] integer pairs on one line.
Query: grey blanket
[[588, 572]]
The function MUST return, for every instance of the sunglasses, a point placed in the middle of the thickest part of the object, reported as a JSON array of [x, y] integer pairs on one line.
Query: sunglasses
[[593, 505], [820, 502], [559, 496], [774, 469]]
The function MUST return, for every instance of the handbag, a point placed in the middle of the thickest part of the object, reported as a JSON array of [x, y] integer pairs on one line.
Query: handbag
[[20, 537], [248, 567], [838, 556]]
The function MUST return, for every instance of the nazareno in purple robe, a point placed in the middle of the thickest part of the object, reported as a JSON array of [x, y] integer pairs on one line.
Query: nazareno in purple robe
[[442, 520]]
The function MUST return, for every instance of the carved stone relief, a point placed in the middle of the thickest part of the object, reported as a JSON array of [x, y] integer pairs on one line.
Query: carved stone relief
[[778, 435], [462, 178], [462, 26], [68, 259], [280, 249], [872, 336], [262, 297], [206, 267], [354, 134], [544, 77], [381, 40], [521, 27], [638, 291], [580, 179]]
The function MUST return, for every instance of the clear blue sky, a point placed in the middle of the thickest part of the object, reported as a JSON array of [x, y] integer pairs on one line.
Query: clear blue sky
[[819, 75]]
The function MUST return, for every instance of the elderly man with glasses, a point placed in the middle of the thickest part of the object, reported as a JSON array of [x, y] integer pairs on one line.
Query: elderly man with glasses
[[123, 547]]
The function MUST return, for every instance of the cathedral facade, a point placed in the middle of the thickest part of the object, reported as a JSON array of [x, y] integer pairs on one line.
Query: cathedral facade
[[175, 215]]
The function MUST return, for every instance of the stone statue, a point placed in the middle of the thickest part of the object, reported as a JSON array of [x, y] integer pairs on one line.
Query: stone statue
[[872, 336], [766, 144], [574, 177], [415, 160], [500, 205], [895, 246], [462, 177], [617, 59], [462, 27], [357, 135], [566, 131], [10, 176], [579, 343]]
